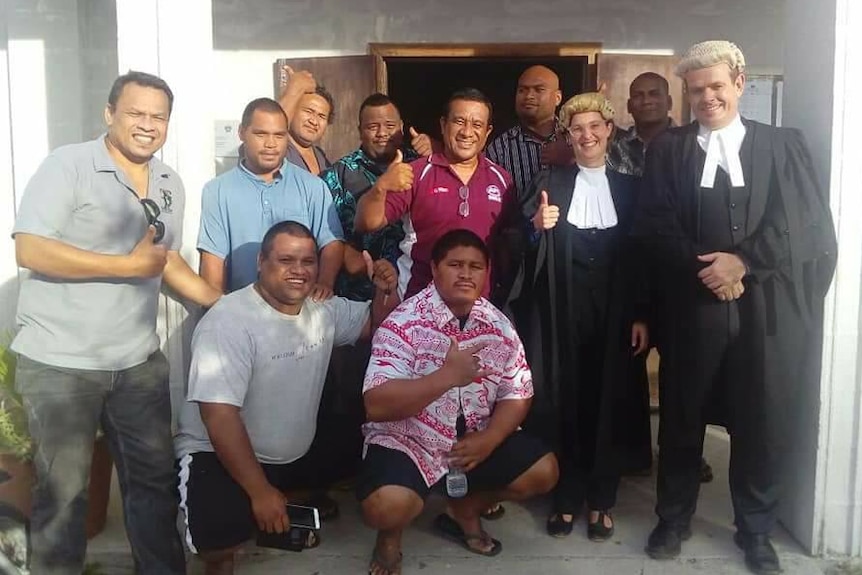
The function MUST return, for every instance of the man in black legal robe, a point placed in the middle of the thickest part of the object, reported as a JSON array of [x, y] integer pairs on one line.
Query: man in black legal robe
[[736, 226]]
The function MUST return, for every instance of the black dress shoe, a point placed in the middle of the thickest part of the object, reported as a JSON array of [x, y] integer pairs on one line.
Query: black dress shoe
[[665, 541], [760, 555], [597, 531], [557, 527]]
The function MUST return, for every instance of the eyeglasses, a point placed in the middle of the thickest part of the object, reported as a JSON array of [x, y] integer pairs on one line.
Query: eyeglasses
[[464, 207], [152, 211]]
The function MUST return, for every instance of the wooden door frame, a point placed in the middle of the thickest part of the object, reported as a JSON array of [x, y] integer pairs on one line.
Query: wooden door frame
[[456, 50]]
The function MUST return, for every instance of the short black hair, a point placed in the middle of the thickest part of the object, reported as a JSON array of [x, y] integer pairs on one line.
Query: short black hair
[[321, 91], [652, 76], [288, 227], [459, 238], [141, 79], [264, 105], [470, 95], [376, 100]]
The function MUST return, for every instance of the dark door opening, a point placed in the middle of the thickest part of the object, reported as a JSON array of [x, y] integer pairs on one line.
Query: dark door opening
[[421, 86]]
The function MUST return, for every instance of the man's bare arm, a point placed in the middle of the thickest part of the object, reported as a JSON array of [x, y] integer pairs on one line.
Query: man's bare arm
[[186, 283], [371, 211], [233, 448], [331, 258], [399, 399], [57, 259], [298, 84], [402, 398], [212, 270]]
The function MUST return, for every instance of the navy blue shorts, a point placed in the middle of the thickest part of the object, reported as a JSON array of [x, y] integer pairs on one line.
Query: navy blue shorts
[[512, 458]]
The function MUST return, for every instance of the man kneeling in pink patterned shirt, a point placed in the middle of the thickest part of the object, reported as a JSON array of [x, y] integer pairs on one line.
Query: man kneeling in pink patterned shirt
[[445, 392]]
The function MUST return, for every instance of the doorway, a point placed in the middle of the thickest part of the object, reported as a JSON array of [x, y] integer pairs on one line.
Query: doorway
[[404, 72], [421, 86]]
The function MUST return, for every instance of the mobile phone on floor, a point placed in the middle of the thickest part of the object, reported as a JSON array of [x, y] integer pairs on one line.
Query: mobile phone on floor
[[303, 516]]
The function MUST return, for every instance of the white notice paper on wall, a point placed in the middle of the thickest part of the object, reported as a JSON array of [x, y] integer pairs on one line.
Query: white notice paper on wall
[[227, 139], [756, 101]]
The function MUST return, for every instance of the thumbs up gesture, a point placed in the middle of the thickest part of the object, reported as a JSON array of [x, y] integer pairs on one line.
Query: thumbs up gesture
[[147, 259], [420, 142], [547, 215], [398, 177]]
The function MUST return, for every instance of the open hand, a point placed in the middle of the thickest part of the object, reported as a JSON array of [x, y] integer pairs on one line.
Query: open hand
[[472, 449]]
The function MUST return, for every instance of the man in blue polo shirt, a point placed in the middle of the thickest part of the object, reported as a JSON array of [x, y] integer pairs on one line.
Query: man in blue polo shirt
[[239, 206]]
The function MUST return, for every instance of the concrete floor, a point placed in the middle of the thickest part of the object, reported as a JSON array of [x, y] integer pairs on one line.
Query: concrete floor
[[527, 549]]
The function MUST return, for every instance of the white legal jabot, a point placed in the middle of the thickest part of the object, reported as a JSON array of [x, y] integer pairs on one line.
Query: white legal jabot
[[722, 149], [592, 204]]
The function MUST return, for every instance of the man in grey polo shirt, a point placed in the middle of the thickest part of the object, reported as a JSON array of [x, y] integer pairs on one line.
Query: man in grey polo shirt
[[259, 360], [239, 206], [98, 228]]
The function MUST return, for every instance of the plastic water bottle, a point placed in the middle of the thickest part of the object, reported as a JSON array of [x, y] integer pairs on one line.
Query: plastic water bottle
[[456, 482], [456, 479]]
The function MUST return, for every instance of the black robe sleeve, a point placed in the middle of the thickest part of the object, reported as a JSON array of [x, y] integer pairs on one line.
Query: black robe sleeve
[[817, 246]]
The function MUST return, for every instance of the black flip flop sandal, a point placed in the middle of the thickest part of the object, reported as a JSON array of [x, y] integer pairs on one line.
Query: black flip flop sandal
[[449, 528]]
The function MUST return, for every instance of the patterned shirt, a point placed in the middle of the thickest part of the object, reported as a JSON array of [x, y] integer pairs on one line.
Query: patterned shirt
[[627, 152], [348, 179], [411, 343], [519, 151]]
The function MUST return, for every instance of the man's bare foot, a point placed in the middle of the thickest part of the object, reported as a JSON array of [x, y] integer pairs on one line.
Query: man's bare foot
[[386, 557]]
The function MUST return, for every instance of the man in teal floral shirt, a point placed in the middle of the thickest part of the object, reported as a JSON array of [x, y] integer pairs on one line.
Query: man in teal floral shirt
[[381, 135]]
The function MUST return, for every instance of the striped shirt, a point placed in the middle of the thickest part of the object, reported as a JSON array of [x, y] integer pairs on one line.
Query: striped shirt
[[519, 151]]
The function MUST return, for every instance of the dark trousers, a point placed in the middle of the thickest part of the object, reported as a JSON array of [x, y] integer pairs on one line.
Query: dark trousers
[[580, 410], [336, 452], [719, 363], [65, 408]]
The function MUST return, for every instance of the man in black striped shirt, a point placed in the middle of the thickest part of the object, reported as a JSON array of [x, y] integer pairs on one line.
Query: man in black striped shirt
[[519, 150]]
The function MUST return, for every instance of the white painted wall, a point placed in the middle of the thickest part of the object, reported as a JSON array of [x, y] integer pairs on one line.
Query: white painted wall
[[820, 100], [8, 269], [174, 41], [249, 36], [57, 62]]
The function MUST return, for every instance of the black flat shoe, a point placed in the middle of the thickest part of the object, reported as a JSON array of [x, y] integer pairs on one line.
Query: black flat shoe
[[558, 527], [665, 541], [597, 531], [760, 555]]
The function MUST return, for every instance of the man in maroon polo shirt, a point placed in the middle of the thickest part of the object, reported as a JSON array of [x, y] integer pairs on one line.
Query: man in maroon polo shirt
[[456, 188]]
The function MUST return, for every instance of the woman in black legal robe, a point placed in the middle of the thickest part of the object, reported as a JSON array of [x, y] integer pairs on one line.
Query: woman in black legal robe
[[577, 309]]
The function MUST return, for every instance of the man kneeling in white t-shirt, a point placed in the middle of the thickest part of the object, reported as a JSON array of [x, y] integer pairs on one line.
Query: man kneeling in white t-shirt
[[259, 359]]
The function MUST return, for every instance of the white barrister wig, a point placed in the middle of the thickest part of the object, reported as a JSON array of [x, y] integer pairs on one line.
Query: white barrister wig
[[587, 102], [708, 54]]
